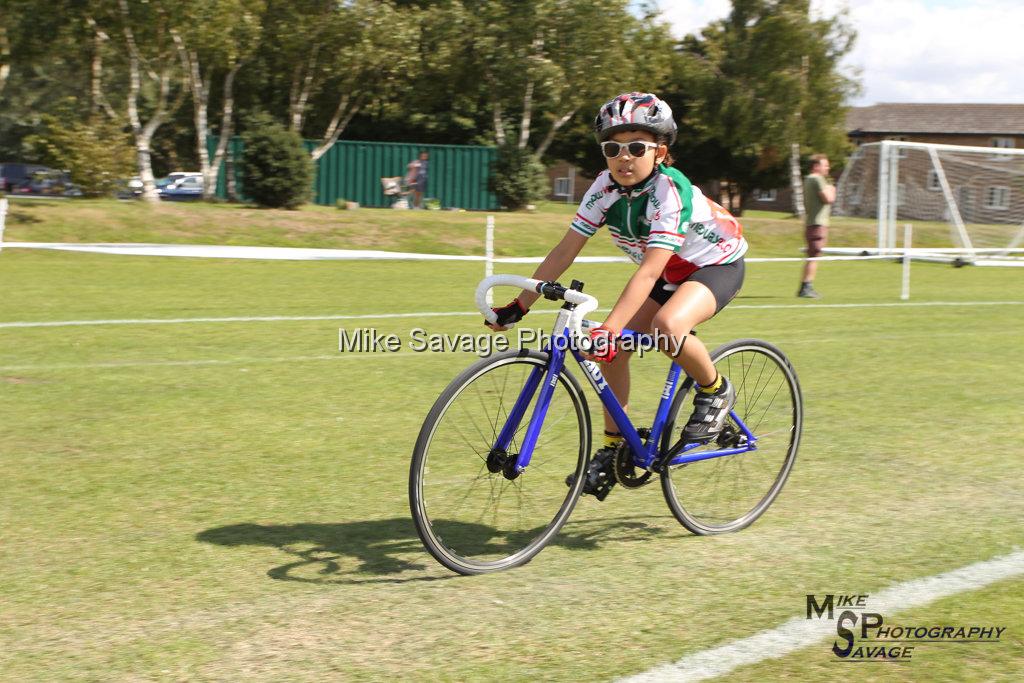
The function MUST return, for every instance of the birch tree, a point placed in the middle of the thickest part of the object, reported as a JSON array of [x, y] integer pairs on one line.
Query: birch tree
[[214, 39], [768, 78], [371, 56], [152, 73], [5, 57], [544, 62]]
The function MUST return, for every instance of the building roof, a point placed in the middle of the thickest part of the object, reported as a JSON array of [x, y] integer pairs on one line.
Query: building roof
[[978, 119]]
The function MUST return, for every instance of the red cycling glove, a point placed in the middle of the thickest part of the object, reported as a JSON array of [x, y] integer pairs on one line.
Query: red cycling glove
[[510, 313], [602, 344]]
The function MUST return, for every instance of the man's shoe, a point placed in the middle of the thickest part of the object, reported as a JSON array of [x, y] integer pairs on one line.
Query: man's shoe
[[599, 476], [709, 413], [808, 292]]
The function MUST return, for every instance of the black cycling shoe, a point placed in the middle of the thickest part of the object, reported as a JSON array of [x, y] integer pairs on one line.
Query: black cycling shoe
[[599, 477], [709, 413]]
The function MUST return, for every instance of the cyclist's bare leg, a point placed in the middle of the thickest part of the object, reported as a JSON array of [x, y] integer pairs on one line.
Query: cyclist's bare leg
[[617, 372], [692, 304]]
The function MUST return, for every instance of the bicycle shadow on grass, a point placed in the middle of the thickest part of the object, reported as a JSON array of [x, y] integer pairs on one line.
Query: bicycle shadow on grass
[[389, 551]]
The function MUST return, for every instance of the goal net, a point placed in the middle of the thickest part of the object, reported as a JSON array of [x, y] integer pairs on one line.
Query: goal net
[[965, 203]]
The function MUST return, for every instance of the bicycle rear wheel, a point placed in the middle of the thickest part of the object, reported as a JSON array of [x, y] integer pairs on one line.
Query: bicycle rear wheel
[[729, 493], [472, 519]]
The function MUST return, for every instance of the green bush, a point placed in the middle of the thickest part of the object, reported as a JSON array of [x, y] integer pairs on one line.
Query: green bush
[[98, 154], [517, 177], [276, 170]]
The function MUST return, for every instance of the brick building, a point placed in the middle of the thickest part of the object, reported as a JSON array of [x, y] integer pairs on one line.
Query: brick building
[[973, 125]]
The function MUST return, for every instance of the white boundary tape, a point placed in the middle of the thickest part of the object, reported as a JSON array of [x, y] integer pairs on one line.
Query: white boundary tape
[[453, 314], [798, 633], [311, 254]]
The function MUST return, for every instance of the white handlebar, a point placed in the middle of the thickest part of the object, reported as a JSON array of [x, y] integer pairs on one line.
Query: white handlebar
[[585, 303]]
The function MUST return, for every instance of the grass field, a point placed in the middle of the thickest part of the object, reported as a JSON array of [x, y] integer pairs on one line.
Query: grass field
[[227, 500]]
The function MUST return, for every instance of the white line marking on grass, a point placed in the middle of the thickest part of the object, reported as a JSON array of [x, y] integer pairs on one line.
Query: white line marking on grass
[[214, 362], [444, 314], [240, 319], [798, 633], [882, 305]]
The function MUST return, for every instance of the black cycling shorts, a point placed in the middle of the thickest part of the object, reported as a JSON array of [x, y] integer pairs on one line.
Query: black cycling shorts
[[724, 281]]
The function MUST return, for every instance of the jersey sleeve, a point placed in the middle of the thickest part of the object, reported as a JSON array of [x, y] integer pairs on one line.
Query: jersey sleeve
[[670, 213], [591, 213]]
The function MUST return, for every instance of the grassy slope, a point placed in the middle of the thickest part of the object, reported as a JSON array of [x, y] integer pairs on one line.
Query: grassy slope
[[226, 501], [516, 234]]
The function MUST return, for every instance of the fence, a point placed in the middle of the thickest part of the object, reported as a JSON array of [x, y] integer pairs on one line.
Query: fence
[[351, 170]]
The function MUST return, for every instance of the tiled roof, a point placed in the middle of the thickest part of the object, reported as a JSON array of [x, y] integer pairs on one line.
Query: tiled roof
[[994, 119]]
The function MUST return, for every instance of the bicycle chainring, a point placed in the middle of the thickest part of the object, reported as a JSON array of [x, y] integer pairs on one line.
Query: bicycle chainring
[[626, 473]]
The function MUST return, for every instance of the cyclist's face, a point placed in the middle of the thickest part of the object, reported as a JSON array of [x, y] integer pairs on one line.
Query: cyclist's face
[[629, 170]]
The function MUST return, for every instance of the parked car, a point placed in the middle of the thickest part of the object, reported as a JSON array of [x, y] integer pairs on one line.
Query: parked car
[[15, 175], [184, 189], [129, 189], [52, 183], [173, 178]]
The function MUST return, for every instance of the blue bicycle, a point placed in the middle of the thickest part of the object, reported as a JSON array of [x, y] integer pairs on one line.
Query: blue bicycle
[[488, 486]]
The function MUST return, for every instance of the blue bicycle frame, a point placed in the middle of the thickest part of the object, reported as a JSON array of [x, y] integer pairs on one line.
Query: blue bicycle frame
[[644, 454]]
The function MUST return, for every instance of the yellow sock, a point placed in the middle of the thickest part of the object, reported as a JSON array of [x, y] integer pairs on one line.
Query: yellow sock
[[714, 386], [612, 439]]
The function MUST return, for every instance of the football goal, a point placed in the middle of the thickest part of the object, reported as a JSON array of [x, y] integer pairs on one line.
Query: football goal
[[966, 202]]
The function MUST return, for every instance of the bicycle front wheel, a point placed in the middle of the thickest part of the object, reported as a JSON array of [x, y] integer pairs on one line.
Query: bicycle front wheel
[[727, 493], [473, 519]]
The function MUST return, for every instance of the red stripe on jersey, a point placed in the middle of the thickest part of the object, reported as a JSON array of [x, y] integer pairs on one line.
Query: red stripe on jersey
[[678, 269], [587, 221]]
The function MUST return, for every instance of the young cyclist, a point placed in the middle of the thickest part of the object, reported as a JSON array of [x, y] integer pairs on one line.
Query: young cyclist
[[690, 256]]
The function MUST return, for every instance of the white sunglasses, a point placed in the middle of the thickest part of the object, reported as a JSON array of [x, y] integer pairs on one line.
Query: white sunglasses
[[637, 148]]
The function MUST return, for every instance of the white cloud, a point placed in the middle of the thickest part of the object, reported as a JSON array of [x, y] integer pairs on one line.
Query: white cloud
[[914, 50], [690, 16]]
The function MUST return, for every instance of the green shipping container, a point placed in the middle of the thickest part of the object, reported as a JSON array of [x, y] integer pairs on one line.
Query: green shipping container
[[352, 170]]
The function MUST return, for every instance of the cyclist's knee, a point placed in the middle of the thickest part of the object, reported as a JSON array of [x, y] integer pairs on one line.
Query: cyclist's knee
[[673, 326]]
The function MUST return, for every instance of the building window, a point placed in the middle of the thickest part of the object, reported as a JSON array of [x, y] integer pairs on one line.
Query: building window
[[561, 187], [1004, 143], [997, 197], [933, 180], [766, 195]]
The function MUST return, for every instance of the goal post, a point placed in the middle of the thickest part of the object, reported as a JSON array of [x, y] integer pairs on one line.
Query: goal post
[[965, 202]]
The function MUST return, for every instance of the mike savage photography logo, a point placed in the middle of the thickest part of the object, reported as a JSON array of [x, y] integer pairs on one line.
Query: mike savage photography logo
[[867, 636], [418, 340]]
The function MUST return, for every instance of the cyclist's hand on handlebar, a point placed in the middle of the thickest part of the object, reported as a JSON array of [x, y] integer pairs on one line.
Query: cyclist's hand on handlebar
[[508, 315], [603, 345]]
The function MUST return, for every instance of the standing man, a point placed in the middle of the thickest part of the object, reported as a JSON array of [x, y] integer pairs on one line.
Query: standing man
[[819, 194], [419, 185]]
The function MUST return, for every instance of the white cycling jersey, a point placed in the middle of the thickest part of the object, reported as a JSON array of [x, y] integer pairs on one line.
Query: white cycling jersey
[[665, 212]]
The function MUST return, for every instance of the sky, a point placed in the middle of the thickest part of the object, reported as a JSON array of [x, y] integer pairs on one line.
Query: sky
[[913, 50]]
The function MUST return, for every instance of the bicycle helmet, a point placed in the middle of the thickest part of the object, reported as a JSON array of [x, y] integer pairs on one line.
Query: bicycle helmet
[[635, 111]]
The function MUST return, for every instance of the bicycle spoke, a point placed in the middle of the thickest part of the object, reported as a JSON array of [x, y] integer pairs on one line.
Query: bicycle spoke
[[728, 492], [476, 518]]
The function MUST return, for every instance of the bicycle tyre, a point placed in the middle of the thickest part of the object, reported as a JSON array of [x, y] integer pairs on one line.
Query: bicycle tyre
[[463, 530], [743, 476]]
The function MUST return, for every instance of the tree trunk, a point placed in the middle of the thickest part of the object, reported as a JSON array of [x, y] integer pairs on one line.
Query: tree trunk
[[796, 181], [499, 125], [550, 137], [200, 89], [144, 132], [337, 124], [98, 101], [226, 129], [302, 84], [524, 127], [5, 58]]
